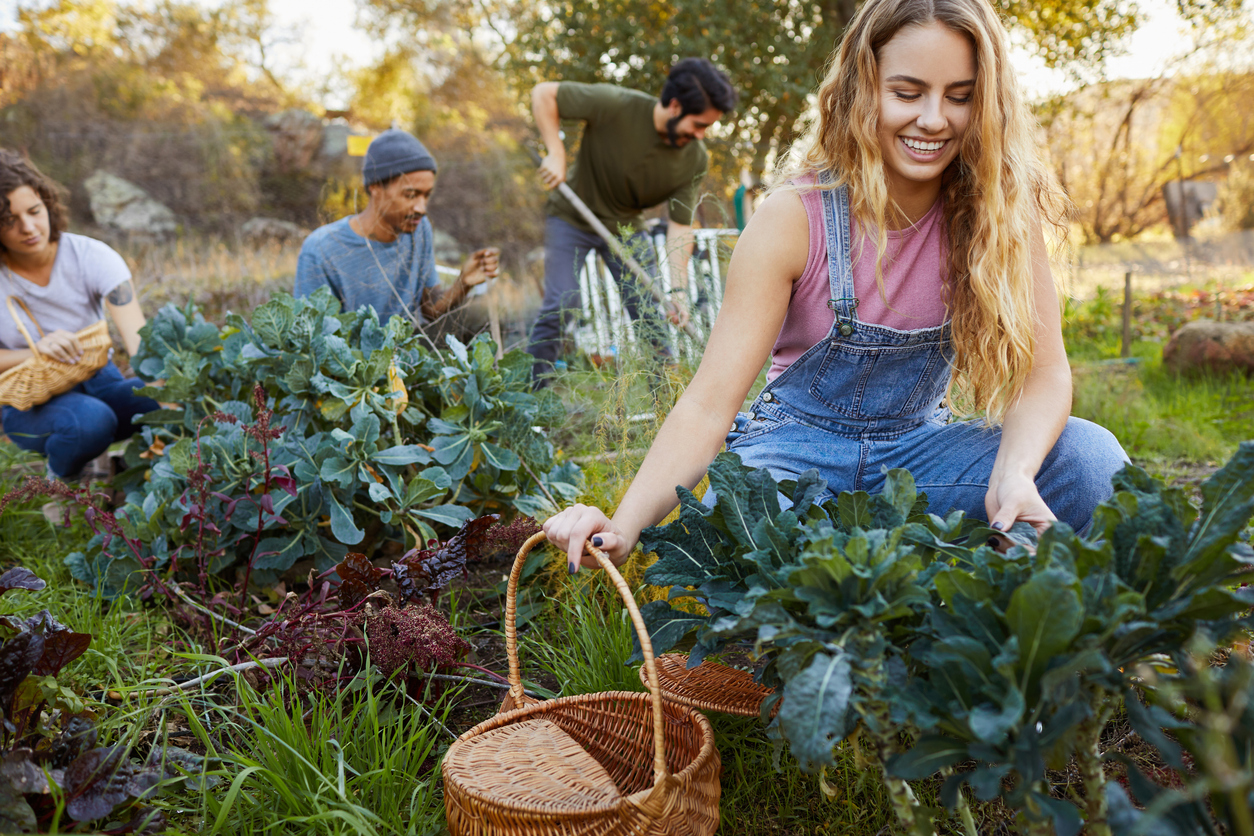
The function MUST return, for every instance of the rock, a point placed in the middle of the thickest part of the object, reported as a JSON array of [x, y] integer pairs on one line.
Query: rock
[[121, 205], [447, 249], [267, 230], [1206, 345], [296, 136]]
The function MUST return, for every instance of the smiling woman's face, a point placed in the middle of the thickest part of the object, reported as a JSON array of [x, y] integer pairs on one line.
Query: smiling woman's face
[[927, 78], [28, 229]]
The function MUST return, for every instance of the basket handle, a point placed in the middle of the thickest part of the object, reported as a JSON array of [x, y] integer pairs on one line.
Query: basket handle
[[660, 773], [18, 321]]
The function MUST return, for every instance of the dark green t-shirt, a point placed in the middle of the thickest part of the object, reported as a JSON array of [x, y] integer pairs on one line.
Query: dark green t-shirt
[[624, 166]]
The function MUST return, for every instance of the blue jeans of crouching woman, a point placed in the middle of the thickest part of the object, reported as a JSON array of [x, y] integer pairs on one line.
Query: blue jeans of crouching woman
[[868, 397], [73, 428]]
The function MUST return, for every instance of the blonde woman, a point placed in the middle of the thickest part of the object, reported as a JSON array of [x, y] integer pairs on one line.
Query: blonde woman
[[898, 278]]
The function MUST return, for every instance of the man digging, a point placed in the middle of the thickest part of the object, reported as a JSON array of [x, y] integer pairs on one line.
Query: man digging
[[636, 152]]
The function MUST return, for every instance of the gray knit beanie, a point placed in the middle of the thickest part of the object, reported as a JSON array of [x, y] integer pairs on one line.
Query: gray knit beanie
[[395, 152]]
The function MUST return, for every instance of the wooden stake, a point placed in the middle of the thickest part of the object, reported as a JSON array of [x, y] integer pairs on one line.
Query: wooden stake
[[1126, 349]]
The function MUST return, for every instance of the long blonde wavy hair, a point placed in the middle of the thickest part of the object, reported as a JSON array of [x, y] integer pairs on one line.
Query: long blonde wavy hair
[[995, 192]]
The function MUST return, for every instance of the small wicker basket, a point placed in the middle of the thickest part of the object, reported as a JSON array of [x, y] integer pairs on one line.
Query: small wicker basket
[[611, 763], [711, 686], [40, 379]]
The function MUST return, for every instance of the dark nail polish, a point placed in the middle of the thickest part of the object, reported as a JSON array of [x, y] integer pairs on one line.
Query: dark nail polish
[[572, 568], [597, 541], [992, 542], [999, 526]]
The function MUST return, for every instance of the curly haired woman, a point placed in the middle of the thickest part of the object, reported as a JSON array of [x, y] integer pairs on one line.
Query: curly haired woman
[[897, 278], [66, 281]]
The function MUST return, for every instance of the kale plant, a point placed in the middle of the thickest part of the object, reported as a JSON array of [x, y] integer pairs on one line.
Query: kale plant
[[877, 618], [369, 435]]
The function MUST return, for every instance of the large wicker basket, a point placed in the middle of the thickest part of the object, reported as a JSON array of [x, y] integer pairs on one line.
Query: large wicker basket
[[609, 763], [40, 378], [711, 686]]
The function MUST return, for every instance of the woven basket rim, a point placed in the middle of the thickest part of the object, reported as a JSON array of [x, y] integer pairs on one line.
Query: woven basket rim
[[740, 709], [705, 751]]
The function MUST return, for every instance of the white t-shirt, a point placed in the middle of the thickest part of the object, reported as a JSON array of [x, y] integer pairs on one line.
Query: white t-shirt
[[84, 272]]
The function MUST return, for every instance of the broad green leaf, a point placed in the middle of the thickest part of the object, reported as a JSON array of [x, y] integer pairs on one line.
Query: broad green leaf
[[455, 453], [690, 550], [402, 455], [450, 515], [666, 627], [499, 457], [420, 490], [992, 723], [437, 476], [458, 349], [1064, 815], [899, 494], [854, 510], [342, 525], [745, 496], [339, 471], [378, 492], [815, 712], [1227, 507], [182, 455], [1045, 614], [926, 757], [279, 553], [299, 374], [271, 321], [161, 416], [951, 583]]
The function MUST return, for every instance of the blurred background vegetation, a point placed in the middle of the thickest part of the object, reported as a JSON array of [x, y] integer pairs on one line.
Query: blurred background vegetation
[[187, 101], [195, 104]]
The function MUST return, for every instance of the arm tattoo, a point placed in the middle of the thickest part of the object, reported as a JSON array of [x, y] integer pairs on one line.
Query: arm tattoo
[[122, 294]]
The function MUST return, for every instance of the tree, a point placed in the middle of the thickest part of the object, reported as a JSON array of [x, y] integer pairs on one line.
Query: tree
[[440, 81], [774, 51], [1114, 145], [157, 92]]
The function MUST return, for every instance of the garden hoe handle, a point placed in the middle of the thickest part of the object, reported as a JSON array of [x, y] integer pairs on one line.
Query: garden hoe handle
[[661, 775], [615, 245]]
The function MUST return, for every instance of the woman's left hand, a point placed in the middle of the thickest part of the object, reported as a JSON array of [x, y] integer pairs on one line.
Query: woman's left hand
[[1011, 499]]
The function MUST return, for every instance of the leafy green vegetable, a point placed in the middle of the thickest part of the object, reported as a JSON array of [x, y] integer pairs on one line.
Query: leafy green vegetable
[[339, 466], [872, 616]]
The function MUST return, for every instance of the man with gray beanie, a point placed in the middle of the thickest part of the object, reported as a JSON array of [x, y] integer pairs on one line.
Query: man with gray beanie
[[385, 255]]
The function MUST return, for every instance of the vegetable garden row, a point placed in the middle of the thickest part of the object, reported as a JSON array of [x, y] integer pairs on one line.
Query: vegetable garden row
[[362, 471]]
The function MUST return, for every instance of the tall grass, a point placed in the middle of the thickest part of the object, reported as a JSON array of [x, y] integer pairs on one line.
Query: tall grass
[[586, 639], [358, 763]]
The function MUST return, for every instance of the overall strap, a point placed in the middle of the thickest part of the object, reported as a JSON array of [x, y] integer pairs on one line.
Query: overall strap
[[836, 226]]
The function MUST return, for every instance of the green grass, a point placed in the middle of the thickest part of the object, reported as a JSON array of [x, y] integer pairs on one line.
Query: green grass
[[1161, 418], [364, 760], [357, 763], [585, 638], [1165, 422]]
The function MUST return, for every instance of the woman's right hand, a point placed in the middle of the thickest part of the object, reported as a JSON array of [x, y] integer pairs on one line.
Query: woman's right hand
[[569, 530], [61, 346]]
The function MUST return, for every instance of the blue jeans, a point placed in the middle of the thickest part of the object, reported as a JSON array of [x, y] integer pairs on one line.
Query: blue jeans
[[565, 249], [868, 397], [73, 428]]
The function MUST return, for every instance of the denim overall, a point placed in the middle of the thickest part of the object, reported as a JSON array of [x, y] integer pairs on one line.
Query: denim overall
[[868, 397]]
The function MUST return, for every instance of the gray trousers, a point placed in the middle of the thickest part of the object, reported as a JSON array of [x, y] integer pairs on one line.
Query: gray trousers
[[565, 248]]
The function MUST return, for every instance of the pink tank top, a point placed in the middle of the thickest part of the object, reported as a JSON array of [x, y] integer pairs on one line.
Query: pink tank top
[[914, 283]]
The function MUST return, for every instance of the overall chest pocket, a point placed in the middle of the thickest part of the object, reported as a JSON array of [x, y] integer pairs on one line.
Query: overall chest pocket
[[873, 382]]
